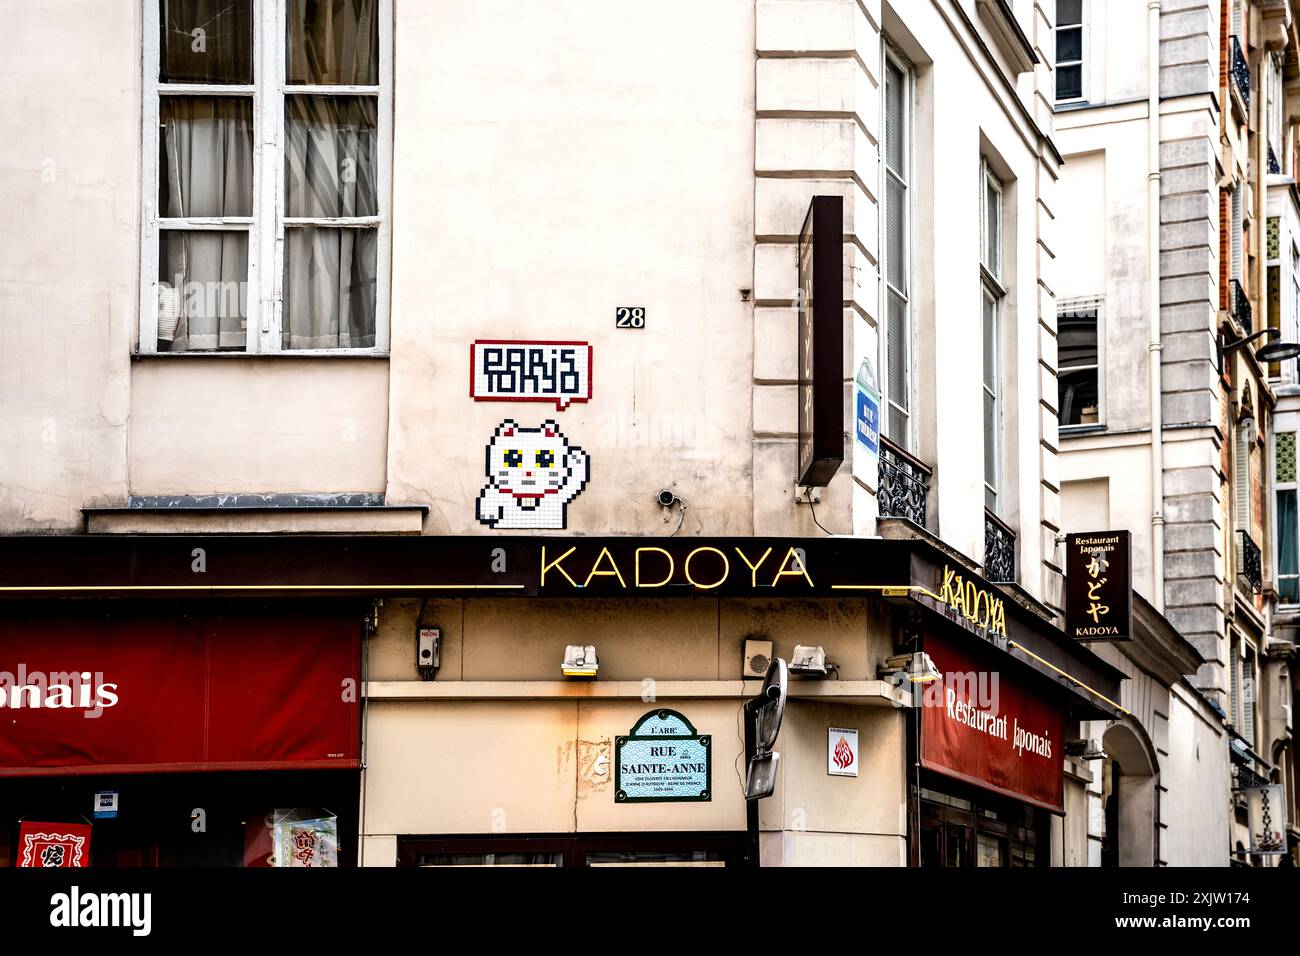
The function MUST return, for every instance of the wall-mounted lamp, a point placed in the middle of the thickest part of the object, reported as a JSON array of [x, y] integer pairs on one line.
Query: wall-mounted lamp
[[1087, 750], [910, 670], [1246, 422], [580, 661], [1271, 352], [809, 661]]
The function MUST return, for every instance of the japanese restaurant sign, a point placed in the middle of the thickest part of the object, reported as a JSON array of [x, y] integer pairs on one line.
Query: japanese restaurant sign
[[984, 725], [663, 760], [1099, 586]]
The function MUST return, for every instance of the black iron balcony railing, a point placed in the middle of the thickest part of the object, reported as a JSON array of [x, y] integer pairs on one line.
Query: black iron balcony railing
[[1250, 565], [999, 550], [1241, 310], [904, 484], [1241, 71]]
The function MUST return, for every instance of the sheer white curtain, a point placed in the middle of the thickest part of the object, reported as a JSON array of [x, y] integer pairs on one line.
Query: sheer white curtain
[[206, 171], [331, 155]]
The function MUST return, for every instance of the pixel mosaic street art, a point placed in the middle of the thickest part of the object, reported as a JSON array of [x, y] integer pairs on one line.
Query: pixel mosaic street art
[[533, 474]]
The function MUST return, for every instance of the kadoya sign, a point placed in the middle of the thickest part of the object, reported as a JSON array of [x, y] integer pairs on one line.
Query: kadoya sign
[[1099, 586], [985, 726]]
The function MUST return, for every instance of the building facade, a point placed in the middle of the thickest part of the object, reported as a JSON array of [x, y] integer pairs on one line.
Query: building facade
[[1177, 122], [423, 361]]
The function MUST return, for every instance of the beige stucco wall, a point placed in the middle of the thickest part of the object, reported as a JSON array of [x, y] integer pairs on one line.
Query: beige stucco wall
[[69, 170], [665, 640], [520, 751], [552, 163], [549, 166], [816, 819]]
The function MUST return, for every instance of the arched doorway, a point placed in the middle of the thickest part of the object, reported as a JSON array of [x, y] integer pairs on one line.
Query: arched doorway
[[1129, 775]]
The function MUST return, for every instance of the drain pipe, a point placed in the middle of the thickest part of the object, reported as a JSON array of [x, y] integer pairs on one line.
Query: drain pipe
[[1155, 348]]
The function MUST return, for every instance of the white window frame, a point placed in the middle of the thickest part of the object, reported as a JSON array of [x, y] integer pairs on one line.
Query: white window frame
[[992, 291], [1081, 63], [888, 400], [1087, 304], [1273, 94], [265, 230]]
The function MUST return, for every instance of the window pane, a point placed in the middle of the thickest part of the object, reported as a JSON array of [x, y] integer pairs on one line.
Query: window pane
[[334, 42], [1069, 11], [1077, 338], [895, 233], [202, 290], [329, 288], [992, 229], [1069, 45], [1069, 82], [989, 850], [990, 440], [1287, 565], [330, 156], [897, 346], [205, 146], [895, 119], [1077, 392], [990, 343], [205, 41], [897, 432]]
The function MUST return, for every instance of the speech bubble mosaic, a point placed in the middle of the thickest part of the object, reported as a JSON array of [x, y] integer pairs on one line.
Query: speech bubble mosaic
[[516, 370]]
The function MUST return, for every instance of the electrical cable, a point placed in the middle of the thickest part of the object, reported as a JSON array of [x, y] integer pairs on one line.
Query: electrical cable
[[813, 507]]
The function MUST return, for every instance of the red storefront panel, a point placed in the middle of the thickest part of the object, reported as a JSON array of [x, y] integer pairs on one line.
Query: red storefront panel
[[104, 694], [987, 727]]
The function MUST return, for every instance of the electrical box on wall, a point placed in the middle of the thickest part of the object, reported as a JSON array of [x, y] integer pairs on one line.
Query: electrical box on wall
[[757, 657], [428, 651]]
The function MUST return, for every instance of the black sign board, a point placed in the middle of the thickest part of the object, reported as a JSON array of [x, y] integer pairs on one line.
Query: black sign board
[[1099, 586], [821, 342]]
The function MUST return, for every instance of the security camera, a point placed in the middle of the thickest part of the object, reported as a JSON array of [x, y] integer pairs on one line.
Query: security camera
[[667, 498]]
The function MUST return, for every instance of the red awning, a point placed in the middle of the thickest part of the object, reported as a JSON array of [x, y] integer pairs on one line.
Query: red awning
[[108, 692], [987, 726]]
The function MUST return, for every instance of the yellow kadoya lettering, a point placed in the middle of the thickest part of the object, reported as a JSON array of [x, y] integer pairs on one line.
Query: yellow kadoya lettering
[[614, 572]]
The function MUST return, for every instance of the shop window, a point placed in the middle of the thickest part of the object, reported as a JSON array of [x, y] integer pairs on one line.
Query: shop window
[[280, 248], [977, 830], [295, 819], [1078, 324], [580, 850]]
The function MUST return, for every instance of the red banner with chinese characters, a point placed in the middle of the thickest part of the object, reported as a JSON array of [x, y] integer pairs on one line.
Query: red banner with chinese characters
[[60, 845], [111, 693], [982, 725]]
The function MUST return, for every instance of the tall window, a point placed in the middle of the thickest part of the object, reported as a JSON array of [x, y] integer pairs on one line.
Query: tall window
[[281, 246], [1288, 522], [1272, 70], [1079, 371], [1069, 51], [897, 265], [993, 292]]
